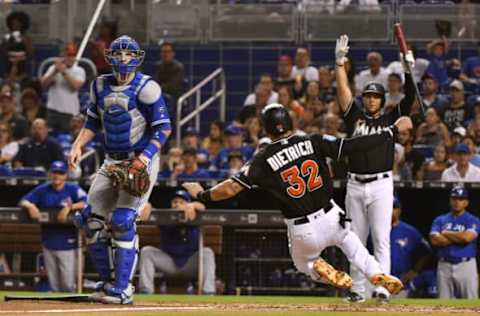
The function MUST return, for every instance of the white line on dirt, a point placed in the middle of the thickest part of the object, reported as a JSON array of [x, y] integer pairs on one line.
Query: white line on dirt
[[106, 309]]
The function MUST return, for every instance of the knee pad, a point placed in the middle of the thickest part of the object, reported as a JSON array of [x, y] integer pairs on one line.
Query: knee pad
[[99, 246], [123, 224]]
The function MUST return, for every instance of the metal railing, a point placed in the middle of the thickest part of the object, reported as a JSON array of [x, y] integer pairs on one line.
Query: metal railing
[[196, 92], [49, 61]]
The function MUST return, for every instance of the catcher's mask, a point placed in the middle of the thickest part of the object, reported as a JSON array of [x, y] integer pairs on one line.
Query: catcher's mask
[[276, 119], [124, 55]]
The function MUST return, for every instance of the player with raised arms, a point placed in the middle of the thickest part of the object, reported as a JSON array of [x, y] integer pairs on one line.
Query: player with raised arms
[[128, 108], [293, 169]]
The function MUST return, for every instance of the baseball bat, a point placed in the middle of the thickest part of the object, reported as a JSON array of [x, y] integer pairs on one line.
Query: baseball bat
[[402, 44]]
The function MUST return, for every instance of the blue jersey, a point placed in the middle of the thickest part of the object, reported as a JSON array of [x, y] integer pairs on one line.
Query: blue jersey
[[438, 69], [129, 115], [424, 285], [471, 67], [57, 237], [180, 242], [406, 246], [221, 161], [461, 223]]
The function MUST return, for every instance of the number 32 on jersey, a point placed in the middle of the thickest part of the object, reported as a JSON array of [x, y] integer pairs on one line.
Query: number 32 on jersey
[[296, 178]]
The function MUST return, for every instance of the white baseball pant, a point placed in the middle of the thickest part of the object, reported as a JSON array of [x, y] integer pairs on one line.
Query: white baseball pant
[[307, 241], [370, 207]]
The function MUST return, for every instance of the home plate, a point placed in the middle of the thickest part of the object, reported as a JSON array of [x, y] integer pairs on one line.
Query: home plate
[[107, 309]]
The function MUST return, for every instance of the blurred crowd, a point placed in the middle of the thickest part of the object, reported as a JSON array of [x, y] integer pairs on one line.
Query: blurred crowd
[[40, 117]]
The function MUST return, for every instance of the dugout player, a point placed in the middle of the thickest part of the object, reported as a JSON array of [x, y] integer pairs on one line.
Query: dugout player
[[128, 108], [294, 170], [369, 196], [454, 235]]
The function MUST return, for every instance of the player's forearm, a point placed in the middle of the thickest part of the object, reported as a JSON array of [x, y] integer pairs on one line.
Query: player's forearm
[[407, 102], [83, 137], [156, 143], [31, 208], [47, 80], [344, 95], [459, 237], [198, 206], [78, 206], [222, 191], [438, 240], [72, 83]]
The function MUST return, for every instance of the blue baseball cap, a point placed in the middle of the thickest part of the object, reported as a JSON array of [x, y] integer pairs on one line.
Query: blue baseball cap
[[183, 195], [190, 131], [58, 166], [462, 149], [233, 130], [459, 192], [396, 202]]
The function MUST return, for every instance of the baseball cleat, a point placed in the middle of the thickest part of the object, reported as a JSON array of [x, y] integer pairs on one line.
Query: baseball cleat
[[117, 296], [391, 283], [353, 297], [381, 298], [329, 275], [101, 289]]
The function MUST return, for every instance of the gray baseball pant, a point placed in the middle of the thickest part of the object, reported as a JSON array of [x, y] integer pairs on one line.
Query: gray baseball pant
[[61, 269], [461, 278]]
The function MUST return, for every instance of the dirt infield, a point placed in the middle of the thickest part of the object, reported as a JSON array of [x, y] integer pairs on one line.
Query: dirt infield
[[165, 308]]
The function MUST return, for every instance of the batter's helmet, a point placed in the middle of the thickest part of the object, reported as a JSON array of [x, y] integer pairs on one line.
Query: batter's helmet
[[124, 44], [459, 192], [276, 120], [375, 88]]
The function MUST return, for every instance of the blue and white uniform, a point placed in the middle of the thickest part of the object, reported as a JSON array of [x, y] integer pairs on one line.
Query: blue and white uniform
[[58, 241], [130, 116], [457, 266]]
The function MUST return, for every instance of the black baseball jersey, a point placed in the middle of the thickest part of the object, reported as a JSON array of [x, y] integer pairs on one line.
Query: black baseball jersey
[[294, 169], [359, 123]]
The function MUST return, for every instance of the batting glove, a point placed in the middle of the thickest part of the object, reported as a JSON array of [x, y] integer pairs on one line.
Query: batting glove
[[341, 49], [407, 59]]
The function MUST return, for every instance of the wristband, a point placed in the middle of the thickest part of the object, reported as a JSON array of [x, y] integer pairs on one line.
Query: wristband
[[150, 151], [160, 137], [205, 196]]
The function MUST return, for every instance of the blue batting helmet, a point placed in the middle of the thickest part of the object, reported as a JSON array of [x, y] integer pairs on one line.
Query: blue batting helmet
[[113, 55], [459, 192]]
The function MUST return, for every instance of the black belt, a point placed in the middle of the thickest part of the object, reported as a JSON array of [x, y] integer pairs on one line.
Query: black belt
[[121, 155], [369, 179], [456, 260], [304, 219]]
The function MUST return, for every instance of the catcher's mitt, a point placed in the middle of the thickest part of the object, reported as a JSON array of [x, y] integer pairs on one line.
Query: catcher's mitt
[[130, 176]]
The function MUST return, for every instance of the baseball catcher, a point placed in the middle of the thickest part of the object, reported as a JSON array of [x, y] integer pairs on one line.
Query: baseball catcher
[[128, 107]]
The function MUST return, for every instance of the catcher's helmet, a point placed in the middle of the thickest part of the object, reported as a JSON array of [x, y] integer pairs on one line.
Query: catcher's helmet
[[113, 55], [276, 119], [459, 192]]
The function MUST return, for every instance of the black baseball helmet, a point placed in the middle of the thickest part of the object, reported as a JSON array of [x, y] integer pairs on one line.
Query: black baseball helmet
[[375, 88], [276, 119]]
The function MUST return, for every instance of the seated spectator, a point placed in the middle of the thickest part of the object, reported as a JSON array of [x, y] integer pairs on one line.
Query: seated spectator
[[394, 90], [311, 100], [285, 76], [8, 147], [430, 96], [375, 73], [178, 255], [233, 142], [463, 170], [413, 158], [296, 124], [63, 81], [471, 70], [437, 55], [457, 135], [456, 112], [190, 166], [409, 251], [331, 125], [470, 142], [169, 72], [174, 159], [325, 83], [107, 32], [31, 105], [454, 68], [474, 129], [17, 122], [285, 98], [432, 170], [432, 132], [59, 242], [267, 82], [302, 70], [249, 110], [254, 131], [39, 150], [213, 143], [17, 45], [235, 163], [191, 139], [454, 235]]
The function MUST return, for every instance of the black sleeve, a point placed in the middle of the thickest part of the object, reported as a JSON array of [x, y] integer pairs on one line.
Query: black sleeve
[[248, 176], [405, 106], [57, 152], [352, 114], [337, 148], [20, 156]]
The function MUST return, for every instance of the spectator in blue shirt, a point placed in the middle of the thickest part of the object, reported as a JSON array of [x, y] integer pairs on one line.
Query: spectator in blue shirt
[[438, 50], [234, 142], [471, 70], [454, 236], [190, 166], [191, 138], [410, 252], [178, 255], [59, 241]]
